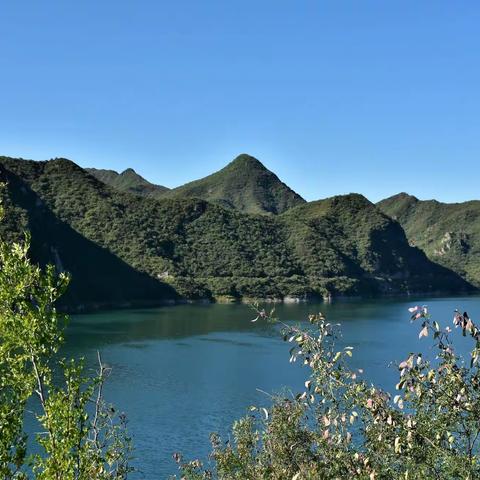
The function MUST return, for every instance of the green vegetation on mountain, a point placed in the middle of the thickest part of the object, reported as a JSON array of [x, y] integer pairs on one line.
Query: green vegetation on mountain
[[99, 278], [448, 233], [162, 248], [128, 181], [245, 185], [347, 237]]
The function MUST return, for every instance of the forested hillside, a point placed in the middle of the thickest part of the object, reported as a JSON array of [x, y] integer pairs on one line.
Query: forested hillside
[[449, 233], [123, 247], [245, 185], [99, 277], [128, 181]]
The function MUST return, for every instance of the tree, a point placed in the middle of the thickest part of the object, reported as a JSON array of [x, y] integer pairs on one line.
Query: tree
[[82, 437]]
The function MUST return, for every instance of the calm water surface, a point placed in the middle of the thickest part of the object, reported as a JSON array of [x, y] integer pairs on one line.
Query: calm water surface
[[185, 371]]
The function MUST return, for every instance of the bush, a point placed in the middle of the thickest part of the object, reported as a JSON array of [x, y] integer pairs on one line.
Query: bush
[[342, 427]]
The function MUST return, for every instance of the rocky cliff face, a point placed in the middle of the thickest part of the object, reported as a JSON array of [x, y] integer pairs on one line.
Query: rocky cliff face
[[449, 234]]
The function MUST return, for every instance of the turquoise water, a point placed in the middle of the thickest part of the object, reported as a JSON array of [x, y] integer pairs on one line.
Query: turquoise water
[[182, 372]]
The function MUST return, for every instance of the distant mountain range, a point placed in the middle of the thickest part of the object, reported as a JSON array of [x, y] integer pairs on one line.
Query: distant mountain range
[[238, 233], [128, 181]]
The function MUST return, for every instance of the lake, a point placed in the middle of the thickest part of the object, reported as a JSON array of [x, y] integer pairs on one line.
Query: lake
[[182, 372]]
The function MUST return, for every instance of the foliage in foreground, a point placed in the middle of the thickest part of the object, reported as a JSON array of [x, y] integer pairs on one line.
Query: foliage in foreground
[[342, 427], [81, 437]]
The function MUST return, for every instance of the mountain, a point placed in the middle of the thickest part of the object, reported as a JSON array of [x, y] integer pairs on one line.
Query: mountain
[[135, 249], [349, 238], [129, 181], [99, 278], [245, 185], [449, 233]]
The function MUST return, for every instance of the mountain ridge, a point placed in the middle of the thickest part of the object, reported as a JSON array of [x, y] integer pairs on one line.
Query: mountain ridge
[[449, 233], [54, 241], [190, 248], [128, 180]]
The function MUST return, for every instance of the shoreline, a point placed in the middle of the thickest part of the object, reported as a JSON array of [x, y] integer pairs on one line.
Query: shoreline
[[287, 300]]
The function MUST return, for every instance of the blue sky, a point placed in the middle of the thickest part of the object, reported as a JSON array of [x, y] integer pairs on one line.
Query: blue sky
[[334, 96]]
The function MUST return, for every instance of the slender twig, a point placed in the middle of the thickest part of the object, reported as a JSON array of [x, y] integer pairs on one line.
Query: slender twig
[[98, 401]]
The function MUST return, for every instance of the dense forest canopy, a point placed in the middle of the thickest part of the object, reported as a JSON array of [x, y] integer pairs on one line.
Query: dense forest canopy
[[449, 233], [126, 248]]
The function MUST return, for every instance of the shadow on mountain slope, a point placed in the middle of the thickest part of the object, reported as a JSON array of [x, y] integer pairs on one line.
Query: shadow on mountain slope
[[99, 278]]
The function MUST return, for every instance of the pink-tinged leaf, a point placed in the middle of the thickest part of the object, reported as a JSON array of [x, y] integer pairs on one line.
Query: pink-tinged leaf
[[413, 309], [423, 332]]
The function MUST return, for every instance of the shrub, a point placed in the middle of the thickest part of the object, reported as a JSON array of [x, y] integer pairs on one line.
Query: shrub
[[81, 436], [342, 427]]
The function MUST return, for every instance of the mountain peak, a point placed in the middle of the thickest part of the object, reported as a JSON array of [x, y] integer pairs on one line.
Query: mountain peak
[[129, 180], [402, 196], [245, 184], [397, 206], [244, 160], [129, 171]]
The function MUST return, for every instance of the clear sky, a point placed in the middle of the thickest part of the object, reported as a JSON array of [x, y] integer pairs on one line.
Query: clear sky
[[334, 96]]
